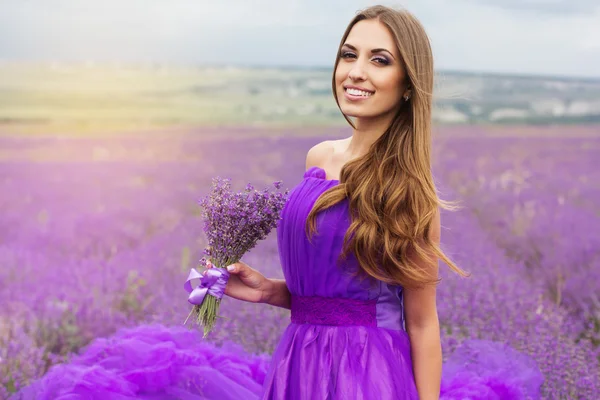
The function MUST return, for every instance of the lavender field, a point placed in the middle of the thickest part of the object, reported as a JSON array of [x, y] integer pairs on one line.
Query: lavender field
[[99, 234]]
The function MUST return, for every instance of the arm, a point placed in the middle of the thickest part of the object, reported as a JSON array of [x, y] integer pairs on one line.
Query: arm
[[423, 328], [277, 294]]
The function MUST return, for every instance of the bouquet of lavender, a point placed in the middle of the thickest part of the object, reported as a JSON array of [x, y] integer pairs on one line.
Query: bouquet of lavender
[[233, 224]]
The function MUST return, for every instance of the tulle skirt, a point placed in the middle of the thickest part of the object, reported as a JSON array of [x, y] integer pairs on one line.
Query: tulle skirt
[[154, 362], [317, 362]]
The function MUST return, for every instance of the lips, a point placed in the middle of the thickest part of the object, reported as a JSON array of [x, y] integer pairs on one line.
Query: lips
[[346, 87], [354, 94]]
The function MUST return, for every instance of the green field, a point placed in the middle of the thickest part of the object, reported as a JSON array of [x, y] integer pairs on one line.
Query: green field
[[94, 99]]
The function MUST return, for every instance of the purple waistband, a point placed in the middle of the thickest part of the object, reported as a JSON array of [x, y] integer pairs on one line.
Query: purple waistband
[[333, 311]]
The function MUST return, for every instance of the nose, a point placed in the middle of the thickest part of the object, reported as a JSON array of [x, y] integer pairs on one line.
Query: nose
[[357, 72]]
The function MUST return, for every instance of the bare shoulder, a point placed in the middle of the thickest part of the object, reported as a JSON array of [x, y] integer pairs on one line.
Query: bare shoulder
[[318, 155]]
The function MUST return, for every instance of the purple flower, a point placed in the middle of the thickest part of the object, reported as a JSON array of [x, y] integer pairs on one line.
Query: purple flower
[[233, 223]]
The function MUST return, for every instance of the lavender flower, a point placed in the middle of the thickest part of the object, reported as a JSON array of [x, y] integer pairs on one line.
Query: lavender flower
[[233, 223]]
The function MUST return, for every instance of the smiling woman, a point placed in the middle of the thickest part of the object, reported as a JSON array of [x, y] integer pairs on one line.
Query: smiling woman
[[387, 184]]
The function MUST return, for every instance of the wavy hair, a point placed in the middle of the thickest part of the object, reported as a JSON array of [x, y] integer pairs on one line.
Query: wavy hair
[[391, 191]]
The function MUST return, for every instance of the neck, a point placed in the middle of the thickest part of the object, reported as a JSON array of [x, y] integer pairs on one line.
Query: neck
[[367, 131]]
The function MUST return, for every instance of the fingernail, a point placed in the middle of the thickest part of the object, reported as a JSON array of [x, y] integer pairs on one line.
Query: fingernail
[[230, 268]]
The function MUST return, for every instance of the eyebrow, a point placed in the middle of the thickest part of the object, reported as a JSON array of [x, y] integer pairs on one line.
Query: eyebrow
[[379, 50]]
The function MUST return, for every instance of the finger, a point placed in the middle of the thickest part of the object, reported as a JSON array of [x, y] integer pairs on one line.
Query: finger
[[239, 269], [234, 268]]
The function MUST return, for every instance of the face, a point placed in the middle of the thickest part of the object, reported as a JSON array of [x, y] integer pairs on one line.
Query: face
[[369, 78]]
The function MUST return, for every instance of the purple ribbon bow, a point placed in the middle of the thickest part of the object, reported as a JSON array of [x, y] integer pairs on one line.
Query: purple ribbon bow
[[213, 283]]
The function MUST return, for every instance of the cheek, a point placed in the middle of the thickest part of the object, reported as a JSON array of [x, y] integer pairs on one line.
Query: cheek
[[339, 74], [389, 85], [340, 77]]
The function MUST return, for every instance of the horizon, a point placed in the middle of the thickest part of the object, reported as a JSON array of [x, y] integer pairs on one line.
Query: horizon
[[178, 65]]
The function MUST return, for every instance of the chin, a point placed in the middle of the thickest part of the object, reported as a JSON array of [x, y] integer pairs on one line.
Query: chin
[[354, 113]]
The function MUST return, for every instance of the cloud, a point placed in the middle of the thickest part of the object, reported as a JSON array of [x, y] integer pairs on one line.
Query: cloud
[[483, 35], [466, 36], [544, 6]]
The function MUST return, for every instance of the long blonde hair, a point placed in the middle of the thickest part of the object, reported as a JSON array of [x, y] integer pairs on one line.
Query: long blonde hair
[[391, 192]]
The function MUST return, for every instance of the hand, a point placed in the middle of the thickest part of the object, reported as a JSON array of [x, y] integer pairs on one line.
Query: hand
[[245, 283]]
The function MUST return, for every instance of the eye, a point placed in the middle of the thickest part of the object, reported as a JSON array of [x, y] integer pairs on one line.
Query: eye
[[382, 60], [347, 54]]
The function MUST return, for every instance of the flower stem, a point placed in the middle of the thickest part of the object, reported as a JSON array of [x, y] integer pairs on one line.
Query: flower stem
[[206, 313]]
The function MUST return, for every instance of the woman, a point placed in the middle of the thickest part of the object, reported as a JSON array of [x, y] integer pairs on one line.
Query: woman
[[363, 326]]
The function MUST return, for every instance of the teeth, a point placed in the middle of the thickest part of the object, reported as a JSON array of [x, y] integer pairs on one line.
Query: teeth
[[357, 92]]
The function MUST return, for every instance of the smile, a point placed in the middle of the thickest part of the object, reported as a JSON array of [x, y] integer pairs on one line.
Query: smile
[[353, 94], [357, 92]]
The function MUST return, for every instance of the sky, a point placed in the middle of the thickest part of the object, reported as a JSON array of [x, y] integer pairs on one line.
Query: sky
[[541, 37]]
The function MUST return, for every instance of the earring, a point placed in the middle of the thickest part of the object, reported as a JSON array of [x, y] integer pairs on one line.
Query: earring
[[408, 93]]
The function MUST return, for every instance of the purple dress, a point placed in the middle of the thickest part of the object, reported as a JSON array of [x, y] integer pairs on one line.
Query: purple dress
[[346, 338]]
